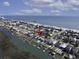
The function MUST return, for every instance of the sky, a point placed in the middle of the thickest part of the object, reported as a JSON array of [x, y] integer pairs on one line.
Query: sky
[[40, 7]]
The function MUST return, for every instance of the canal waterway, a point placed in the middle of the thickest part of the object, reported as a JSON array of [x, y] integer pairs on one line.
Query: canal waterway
[[25, 45]]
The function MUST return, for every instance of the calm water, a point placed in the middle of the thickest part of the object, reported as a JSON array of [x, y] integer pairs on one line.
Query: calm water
[[61, 21]]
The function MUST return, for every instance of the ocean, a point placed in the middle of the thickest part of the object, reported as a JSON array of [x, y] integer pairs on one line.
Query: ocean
[[71, 22]]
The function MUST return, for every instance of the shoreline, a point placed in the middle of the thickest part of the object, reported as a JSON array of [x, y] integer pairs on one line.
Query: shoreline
[[63, 28], [58, 27]]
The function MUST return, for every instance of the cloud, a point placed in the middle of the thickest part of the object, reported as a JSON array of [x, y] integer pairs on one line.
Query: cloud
[[42, 1], [6, 3], [74, 2], [75, 8], [37, 10], [18, 13], [33, 11], [38, 3], [55, 4], [55, 11]]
